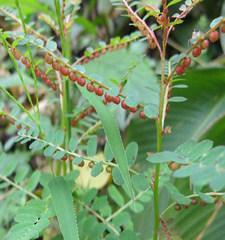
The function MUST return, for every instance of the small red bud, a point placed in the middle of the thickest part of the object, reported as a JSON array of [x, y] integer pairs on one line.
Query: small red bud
[[108, 98], [180, 70], [81, 81], [196, 52], [99, 91], [214, 36], [205, 44], [37, 72], [64, 71], [73, 76], [48, 59], [133, 109], [186, 62], [56, 65], [16, 54], [124, 105], [142, 115], [116, 99], [90, 87]]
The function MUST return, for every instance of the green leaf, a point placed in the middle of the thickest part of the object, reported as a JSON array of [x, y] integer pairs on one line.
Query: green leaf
[[167, 156], [73, 144], [216, 21], [97, 169], [92, 146], [131, 152], [51, 45], [113, 135], [115, 195], [31, 220], [177, 99], [63, 205], [117, 178], [33, 181], [173, 2]]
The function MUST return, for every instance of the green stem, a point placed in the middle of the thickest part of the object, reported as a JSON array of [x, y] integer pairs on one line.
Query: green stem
[[66, 108], [159, 127]]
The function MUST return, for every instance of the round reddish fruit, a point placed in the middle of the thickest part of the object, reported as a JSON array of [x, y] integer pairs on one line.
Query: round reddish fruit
[[90, 87], [48, 58], [37, 72], [64, 71], [99, 91], [205, 44], [196, 52], [104, 101], [116, 99], [16, 54], [108, 98], [81, 81], [223, 28], [180, 70], [194, 201], [142, 115], [73, 76], [54, 87], [64, 158], [56, 66], [48, 82], [214, 36], [186, 62], [25, 61], [133, 109], [124, 105], [177, 207]]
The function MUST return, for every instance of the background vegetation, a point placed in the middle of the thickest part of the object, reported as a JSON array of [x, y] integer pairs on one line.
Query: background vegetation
[[24, 172]]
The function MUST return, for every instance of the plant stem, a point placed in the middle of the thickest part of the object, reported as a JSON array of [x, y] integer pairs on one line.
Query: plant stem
[[66, 108], [159, 129]]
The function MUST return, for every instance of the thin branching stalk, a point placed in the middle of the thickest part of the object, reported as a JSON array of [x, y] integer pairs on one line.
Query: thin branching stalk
[[66, 108]]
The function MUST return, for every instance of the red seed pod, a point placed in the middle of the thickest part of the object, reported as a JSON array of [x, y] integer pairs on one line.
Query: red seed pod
[[205, 44], [99, 91], [37, 72], [214, 36], [196, 52], [64, 158], [25, 61], [81, 81], [186, 62], [108, 98], [194, 201], [133, 109], [64, 71], [180, 70], [16, 54], [177, 207], [73, 76], [48, 59], [44, 77], [90, 87], [56, 65], [142, 115], [54, 86], [124, 105], [48, 82], [104, 101], [116, 99], [74, 122], [223, 28]]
